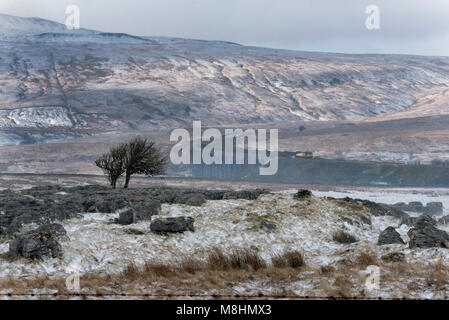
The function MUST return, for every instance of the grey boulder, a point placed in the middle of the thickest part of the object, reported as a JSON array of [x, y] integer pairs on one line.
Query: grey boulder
[[424, 234], [243, 194], [269, 226], [39, 243], [128, 216], [401, 206], [424, 221], [416, 206], [191, 199], [419, 222], [302, 194], [172, 224], [434, 209], [389, 236], [145, 210]]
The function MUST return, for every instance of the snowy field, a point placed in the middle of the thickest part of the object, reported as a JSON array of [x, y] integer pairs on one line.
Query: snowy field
[[95, 245]]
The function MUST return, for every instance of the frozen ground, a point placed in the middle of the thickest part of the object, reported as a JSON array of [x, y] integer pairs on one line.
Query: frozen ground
[[96, 246]]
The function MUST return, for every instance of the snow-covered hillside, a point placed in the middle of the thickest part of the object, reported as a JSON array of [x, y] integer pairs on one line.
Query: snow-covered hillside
[[161, 81]]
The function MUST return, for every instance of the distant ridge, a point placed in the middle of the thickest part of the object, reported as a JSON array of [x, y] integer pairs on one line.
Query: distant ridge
[[20, 25]]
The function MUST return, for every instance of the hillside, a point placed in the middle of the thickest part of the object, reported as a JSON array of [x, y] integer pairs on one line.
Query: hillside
[[57, 84], [89, 77]]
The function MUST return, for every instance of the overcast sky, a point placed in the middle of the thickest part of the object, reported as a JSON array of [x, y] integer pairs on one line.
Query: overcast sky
[[406, 26]]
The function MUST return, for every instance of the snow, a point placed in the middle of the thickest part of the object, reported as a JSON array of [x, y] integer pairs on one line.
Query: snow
[[97, 245], [97, 73], [32, 117]]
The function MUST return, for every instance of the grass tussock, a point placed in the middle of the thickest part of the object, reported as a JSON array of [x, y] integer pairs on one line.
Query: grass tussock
[[133, 231], [327, 270], [246, 259], [217, 260], [343, 286], [437, 279], [158, 269], [365, 259], [438, 276], [289, 259], [237, 259], [344, 237]]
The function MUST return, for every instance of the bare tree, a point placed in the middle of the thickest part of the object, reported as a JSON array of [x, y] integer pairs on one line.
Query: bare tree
[[138, 156], [143, 157], [112, 163]]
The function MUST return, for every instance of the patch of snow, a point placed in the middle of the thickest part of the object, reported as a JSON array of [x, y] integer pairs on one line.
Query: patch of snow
[[32, 117]]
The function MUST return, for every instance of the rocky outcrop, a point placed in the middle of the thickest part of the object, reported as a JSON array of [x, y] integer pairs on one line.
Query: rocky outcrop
[[434, 209], [444, 220], [431, 209], [401, 206], [39, 243], [414, 206], [418, 221], [191, 199], [21, 208], [172, 224], [105, 205], [389, 236], [302, 194], [378, 209], [244, 194], [146, 209], [46, 204], [424, 234], [424, 221], [127, 216], [408, 221], [268, 226]]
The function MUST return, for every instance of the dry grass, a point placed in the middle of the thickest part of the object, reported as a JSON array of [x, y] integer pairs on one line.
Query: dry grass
[[289, 259], [438, 277], [343, 286], [133, 231], [394, 257], [158, 269], [366, 259], [327, 270], [216, 260], [246, 259], [352, 206], [344, 237], [338, 284], [217, 272]]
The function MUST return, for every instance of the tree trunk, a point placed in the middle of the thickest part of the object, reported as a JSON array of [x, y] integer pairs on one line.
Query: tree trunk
[[128, 177], [113, 183]]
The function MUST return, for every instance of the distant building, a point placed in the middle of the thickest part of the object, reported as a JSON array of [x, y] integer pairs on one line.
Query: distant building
[[301, 154]]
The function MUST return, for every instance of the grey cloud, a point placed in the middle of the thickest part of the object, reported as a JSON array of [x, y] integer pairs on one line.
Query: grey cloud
[[407, 26]]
